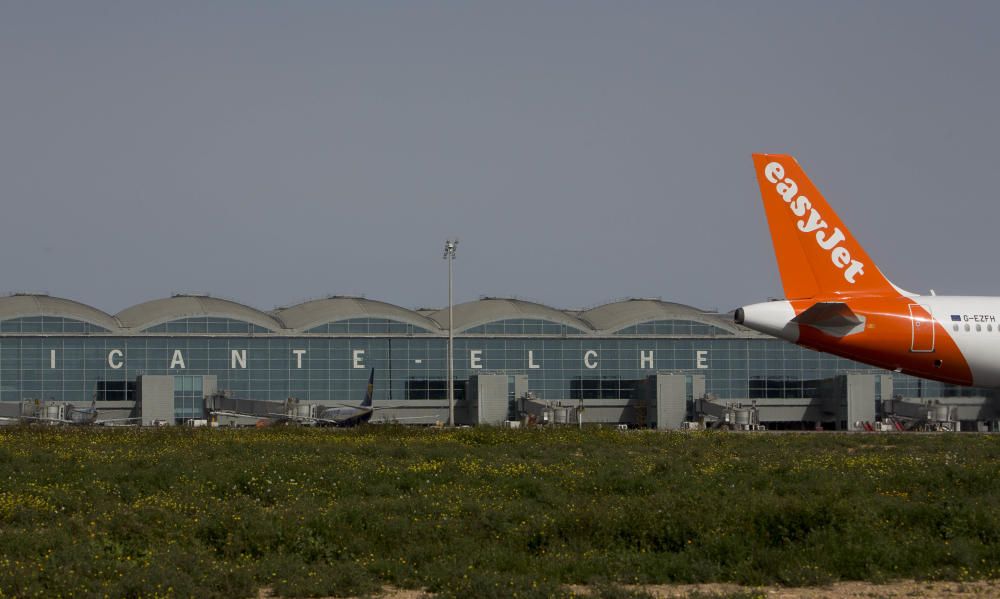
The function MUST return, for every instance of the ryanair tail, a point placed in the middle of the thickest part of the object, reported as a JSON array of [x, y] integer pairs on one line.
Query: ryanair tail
[[817, 256]]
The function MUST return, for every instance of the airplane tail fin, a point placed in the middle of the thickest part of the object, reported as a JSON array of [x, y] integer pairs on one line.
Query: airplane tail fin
[[817, 256], [369, 391]]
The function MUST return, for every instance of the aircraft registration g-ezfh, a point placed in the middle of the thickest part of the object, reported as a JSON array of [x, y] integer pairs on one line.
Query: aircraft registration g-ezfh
[[838, 301]]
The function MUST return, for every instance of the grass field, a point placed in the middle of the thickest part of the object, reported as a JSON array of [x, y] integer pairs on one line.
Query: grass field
[[484, 512]]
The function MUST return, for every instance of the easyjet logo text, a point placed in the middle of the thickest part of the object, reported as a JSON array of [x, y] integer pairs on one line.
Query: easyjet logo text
[[811, 221]]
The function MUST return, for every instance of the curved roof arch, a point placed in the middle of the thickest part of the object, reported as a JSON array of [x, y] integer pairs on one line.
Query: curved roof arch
[[22, 305], [314, 313], [493, 309], [618, 315], [178, 307]]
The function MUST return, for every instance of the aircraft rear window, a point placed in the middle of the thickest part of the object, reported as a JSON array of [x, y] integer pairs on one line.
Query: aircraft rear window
[[966, 328]]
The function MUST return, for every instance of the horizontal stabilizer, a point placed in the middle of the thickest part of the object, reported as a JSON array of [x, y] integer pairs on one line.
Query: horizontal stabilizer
[[832, 318]]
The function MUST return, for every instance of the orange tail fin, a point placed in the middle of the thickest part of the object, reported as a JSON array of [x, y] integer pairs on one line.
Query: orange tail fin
[[817, 255]]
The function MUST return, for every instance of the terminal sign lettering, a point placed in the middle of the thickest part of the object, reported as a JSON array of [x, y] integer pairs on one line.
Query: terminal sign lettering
[[645, 359]]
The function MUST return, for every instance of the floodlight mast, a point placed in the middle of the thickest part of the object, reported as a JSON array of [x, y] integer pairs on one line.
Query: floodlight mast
[[449, 254]]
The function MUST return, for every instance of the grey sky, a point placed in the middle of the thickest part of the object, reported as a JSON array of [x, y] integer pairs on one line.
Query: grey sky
[[271, 152]]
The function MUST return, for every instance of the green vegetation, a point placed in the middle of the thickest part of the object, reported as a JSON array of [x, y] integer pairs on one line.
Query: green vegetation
[[485, 512]]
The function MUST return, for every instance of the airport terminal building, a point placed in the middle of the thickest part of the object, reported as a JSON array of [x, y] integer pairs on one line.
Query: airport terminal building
[[612, 363]]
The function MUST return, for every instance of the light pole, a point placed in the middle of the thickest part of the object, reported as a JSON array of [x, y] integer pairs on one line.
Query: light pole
[[449, 254]]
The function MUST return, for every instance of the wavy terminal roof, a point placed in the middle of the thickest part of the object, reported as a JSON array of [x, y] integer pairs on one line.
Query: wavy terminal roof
[[605, 319]]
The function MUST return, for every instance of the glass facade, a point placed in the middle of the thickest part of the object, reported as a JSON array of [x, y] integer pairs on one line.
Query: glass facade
[[368, 326], [673, 327], [48, 324], [333, 365], [189, 398], [523, 326], [207, 325]]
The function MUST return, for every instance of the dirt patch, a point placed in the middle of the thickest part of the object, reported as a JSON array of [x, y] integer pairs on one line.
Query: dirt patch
[[840, 590], [387, 593]]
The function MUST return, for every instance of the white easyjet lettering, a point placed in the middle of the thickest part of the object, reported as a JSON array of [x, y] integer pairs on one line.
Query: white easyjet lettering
[[787, 189], [828, 243], [801, 205], [774, 172], [814, 223], [855, 269], [841, 257]]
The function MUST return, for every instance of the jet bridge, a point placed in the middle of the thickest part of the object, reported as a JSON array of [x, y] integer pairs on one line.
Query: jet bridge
[[534, 411], [928, 415], [734, 416], [235, 411]]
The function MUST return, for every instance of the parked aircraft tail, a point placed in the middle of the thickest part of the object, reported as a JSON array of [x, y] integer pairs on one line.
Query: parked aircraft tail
[[370, 391]]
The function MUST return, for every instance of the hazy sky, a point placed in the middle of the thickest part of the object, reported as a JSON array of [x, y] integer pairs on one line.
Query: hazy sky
[[272, 152]]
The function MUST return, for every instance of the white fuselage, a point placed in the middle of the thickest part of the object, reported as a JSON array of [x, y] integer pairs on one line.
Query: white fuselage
[[971, 323], [976, 332]]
